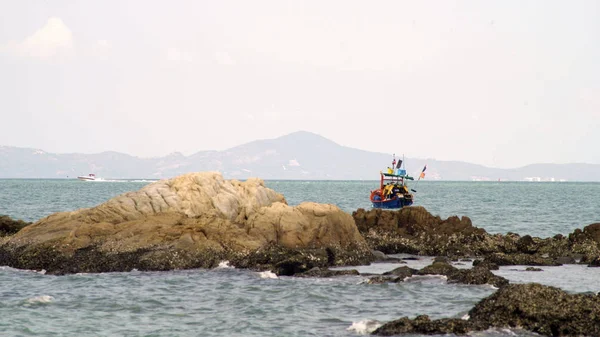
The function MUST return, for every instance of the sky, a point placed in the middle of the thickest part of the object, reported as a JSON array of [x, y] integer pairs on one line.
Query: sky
[[502, 84]]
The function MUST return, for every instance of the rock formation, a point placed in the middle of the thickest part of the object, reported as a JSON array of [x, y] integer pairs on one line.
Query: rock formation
[[190, 221], [414, 230], [541, 309]]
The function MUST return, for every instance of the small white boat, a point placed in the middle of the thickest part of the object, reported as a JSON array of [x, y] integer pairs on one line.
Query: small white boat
[[89, 177]]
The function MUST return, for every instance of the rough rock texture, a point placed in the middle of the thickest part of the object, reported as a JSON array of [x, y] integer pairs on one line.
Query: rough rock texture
[[193, 220], [423, 325], [541, 309], [414, 230], [9, 226], [475, 275]]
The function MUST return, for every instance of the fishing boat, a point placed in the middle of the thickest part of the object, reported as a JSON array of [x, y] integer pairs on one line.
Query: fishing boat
[[393, 192]]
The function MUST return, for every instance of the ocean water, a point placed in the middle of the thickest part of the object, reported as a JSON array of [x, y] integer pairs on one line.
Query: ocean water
[[229, 302]]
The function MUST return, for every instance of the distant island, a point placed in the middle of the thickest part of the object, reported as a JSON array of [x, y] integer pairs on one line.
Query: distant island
[[297, 156]]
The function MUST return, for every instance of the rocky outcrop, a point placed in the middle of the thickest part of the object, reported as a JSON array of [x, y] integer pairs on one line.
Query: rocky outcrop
[[194, 220], [541, 309], [414, 230], [475, 275], [9, 226]]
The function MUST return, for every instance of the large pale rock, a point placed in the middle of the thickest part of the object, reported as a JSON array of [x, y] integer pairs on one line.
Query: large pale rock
[[193, 220]]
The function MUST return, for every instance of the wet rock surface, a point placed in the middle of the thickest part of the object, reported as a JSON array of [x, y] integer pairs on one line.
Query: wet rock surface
[[475, 275], [541, 309]]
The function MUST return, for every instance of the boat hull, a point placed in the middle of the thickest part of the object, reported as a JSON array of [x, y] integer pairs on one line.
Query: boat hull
[[396, 202], [392, 203]]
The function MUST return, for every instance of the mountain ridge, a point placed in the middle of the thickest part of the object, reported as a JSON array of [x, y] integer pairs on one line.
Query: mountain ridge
[[301, 155]]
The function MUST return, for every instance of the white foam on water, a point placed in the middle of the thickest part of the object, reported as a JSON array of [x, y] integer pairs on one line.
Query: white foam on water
[[364, 327], [420, 278], [466, 317], [267, 274], [224, 264], [40, 299]]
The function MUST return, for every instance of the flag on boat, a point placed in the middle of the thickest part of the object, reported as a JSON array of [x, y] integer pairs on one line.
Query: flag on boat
[[422, 175]]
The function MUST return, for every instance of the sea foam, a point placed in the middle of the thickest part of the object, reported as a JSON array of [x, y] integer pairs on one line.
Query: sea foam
[[40, 299], [225, 264], [267, 274], [364, 327]]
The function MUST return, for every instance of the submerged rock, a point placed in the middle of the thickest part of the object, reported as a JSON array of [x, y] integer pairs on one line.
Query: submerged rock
[[190, 221]]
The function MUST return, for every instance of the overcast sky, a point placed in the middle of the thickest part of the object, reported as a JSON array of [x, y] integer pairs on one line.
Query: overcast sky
[[503, 83]]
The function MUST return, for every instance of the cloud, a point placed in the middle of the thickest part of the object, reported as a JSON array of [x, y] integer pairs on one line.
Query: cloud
[[53, 41], [178, 55]]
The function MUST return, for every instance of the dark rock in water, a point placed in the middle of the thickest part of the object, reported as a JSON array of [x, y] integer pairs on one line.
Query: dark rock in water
[[324, 272], [485, 264], [441, 259], [402, 272], [410, 258], [423, 325], [9, 226], [565, 260], [533, 269], [380, 279], [541, 309], [438, 268], [520, 259], [475, 275], [595, 262], [381, 257]]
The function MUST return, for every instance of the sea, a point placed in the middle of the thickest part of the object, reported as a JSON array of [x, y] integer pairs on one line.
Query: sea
[[226, 301]]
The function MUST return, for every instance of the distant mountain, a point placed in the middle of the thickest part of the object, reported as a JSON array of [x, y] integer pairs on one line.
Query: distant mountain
[[300, 155]]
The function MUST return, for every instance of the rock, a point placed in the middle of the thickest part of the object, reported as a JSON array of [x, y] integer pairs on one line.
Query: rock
[[403, 272], [190, 221], [592, 232], [324, 272], [520, 259], [485, 264], [475, 275], [527, 245], [438, 268], [565, 260], [381, 257], [541, 309], [594, 262], [423, 325], [380, 279], [9, 226], [533, 269]]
